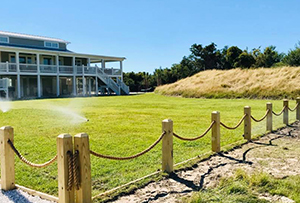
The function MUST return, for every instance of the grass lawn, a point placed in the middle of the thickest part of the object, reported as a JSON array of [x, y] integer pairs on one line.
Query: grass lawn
[[246, 188], [120, 126]]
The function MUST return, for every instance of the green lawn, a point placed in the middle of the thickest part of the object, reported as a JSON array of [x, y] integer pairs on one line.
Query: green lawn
[[120, 126]]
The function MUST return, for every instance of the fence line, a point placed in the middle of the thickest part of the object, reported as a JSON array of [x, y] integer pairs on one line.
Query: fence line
[[73, 159]]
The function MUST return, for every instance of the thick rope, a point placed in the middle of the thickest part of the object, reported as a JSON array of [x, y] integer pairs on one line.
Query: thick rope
[[76, 170], [70, 170], [259, 120], [23, 159], [195, 138], [278, 114], [129, 157], [294, 108], [236, 126]]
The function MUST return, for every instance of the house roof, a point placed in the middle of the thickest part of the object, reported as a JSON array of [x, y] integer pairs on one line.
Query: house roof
[[35, 37]]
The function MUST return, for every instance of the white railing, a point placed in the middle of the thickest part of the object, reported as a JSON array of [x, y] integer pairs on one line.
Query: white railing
[[112, 71], [66, 69], [4, 83], [123, 86], [28, 68], [114, 86], [89, 70], [48, 69], [8, 67]]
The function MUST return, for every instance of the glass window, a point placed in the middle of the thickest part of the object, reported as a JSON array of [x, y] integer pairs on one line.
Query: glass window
[[47, 61], [51, 45], [22, 59], [13, 59], [3, 39], [29, 61]]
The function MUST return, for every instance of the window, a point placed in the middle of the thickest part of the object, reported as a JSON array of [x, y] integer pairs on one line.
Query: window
[[53, 45], [4, 39], [47, 61]]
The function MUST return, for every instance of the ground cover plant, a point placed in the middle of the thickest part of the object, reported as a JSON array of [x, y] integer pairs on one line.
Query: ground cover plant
[[248, 188], [120, 126], [238, 83]]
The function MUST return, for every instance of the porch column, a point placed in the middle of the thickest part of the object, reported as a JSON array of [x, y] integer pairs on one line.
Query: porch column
[[102, 64], [90, 86], [74, 76], [18, 75], [121, 68], [89, 63], [39, 89], [83, 82], [96, 86], [57, 76]]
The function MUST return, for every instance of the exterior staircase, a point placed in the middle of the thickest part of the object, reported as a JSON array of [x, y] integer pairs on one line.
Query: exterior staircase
[[118, 87]]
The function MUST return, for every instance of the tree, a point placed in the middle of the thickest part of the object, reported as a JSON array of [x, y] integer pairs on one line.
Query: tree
[[293, 57], [268, 58], [232, 55], [245, 60]]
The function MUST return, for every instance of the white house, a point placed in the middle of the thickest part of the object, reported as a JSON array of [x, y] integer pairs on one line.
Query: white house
[[34, 66]]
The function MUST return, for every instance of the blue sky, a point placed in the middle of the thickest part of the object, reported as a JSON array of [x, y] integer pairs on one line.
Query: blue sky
[[155, 33]]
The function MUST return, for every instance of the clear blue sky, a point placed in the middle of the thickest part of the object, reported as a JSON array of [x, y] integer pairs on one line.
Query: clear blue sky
[[154, 33]]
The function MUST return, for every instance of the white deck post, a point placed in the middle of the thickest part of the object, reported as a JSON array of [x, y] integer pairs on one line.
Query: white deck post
[[90, 86], [83, 82], [38, 76], [121, 68], [74, 76], [103, 64], [57, 76], [18, 75]]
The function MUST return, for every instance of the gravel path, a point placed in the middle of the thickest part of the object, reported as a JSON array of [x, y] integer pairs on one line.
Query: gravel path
[[277, 153], [19, 196]]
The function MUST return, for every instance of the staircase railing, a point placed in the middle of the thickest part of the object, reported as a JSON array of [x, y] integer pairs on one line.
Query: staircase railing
[[123, 86]]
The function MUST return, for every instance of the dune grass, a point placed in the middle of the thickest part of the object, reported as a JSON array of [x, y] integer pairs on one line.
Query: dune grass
[[238, 83], [246, 188], [120, 126]]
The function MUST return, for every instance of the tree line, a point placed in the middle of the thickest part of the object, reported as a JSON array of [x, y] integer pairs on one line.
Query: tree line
[[209, 57]]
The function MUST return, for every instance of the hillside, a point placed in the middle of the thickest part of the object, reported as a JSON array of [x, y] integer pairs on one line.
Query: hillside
[[238, 83]]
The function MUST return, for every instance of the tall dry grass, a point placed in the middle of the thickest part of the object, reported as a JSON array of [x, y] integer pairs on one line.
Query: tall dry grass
[[238, 83]]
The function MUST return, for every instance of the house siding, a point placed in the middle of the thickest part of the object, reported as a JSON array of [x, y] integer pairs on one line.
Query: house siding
[[32, 43]]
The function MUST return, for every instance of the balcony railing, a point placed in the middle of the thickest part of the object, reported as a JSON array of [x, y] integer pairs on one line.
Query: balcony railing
[[52, 69], [48, 69], [28, 68]]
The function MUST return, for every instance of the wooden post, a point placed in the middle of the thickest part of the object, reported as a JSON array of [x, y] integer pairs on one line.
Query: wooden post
[[269, 123], [64, 144], [81, 144], [286, 112], [215, 132], [298, 108], [7, 158], [167, 146], [247, 123]]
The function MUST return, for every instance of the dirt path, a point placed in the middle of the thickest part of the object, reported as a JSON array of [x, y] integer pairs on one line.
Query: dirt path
[[277, 153]]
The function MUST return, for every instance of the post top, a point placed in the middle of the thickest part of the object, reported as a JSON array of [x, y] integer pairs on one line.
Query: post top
[[65, 135], [215, 112], [247, 107], [6, 128], [167, 121], [298, 98], [269, 102], [285, 100], [81, 135]]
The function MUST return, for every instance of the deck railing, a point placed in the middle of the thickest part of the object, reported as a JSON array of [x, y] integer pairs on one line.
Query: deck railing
[[28, 68], [48, 69]]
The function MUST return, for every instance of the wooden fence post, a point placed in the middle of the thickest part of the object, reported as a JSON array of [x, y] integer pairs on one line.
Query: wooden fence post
[[167, 146], [81, 144], [269, 122], [64, 144], [7, 158], [286, 111], [215, 132], [298, 108], [247, 123]]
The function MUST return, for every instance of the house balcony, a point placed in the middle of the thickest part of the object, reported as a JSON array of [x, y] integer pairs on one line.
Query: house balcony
[[33, 69]]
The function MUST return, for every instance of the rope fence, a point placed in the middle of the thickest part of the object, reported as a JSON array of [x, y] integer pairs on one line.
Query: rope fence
[[129, 157], [236, 126], [73, 156], [195, 138], [261, 119], [24, 160]]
